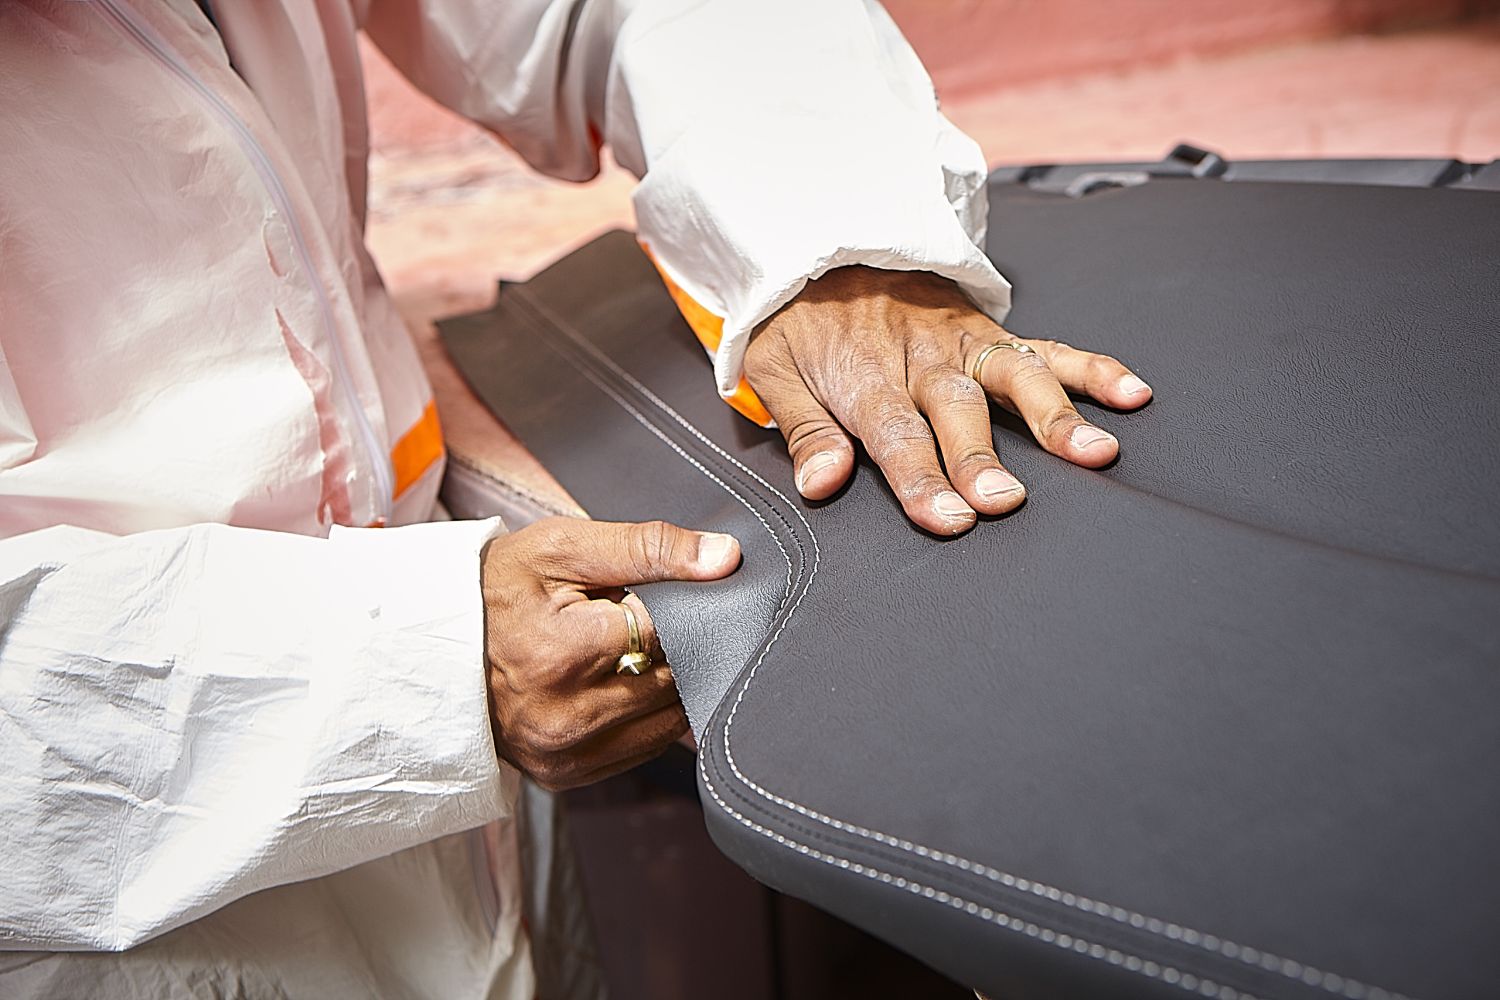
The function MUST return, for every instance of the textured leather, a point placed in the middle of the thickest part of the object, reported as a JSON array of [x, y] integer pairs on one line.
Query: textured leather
[[1220, 720]]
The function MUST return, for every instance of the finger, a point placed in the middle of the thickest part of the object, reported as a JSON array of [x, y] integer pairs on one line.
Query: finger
[[566, 723], [1098, 376], [598, 554], [615, 699], [822, 454], [605, 621], [641, 738], [901, 443], [956, 407], [1026, 385], [616, 750]]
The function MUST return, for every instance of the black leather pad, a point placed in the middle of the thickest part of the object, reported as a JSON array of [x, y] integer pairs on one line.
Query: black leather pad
[[1221, 720]]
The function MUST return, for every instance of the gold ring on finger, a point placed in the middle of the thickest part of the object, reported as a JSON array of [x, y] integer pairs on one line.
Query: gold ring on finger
[[636, 659], [977, 368]]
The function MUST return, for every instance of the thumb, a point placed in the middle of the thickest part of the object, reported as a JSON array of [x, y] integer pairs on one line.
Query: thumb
[[608, 554]]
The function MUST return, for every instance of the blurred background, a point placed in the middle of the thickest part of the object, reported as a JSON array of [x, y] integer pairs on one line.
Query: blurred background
[[1034, 81]]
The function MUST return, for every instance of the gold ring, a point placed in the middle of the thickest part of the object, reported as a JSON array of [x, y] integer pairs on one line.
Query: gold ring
[[977, 367], [636, 659]]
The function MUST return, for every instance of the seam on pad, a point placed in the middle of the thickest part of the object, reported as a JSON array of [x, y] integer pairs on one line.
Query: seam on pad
[[1251, 957]]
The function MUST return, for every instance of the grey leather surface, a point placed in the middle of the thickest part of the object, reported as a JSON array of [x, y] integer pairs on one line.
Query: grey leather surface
[[1220, 720]]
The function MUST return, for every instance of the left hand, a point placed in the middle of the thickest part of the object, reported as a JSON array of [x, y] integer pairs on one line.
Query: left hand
[[885, 356]]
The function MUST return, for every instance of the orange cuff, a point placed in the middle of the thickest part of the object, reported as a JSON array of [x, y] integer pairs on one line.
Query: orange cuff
[[709, 330]]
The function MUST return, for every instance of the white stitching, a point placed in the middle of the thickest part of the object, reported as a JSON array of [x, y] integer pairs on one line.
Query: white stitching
[[1289, 968], [1330, 982], [1067, 942], [641, 419]]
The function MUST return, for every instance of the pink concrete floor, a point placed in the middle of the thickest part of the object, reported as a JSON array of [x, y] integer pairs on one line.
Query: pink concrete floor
[[451, 210]]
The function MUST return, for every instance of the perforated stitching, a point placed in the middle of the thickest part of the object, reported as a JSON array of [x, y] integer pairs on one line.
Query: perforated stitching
[[1308, 975]]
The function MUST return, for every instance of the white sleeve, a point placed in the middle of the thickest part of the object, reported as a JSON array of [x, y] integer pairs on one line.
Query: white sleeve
[[777, 139], [190, 715]]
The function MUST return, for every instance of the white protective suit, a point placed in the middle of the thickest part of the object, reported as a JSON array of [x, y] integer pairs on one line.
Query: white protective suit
[[244, 733]]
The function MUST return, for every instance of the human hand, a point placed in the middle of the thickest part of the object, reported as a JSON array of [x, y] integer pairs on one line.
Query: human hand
[[553, 634], [885, 356]]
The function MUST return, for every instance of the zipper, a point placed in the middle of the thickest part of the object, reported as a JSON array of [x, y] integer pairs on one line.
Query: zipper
[[130, 24]]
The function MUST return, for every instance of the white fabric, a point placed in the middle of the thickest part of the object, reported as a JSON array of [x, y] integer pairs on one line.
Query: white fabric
[[313, 704], [777, 139], [835, 154], [437, 921], [194, 344]]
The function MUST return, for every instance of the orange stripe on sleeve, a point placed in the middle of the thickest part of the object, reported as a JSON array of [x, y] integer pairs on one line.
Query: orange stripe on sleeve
[[709, 330], [418, 449]]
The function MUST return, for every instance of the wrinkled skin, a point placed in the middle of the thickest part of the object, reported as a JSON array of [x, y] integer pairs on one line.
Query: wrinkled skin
[[884, 356], [553, 632]]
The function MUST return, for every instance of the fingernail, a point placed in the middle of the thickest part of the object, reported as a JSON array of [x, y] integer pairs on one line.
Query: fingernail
[[1085, 437], [1132, 386], [712, 550], [993, 483], [812, 466], [950, 504]]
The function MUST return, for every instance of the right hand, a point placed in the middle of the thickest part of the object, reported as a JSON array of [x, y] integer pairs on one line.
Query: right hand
[[559, 711], [886, 356]]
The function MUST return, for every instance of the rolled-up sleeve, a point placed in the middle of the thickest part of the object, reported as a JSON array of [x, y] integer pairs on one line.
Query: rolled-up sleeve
[[194, 714], [776, 140]]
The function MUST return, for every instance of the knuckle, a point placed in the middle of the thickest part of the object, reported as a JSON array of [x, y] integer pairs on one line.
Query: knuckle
[[652, 545], [1030, 370], [1031, 363], [891, 409], [1059, 421], [572, 644], [926, 351], [595, 637], [864, 371], [814, 435], [955, 389], [897, 431], [550, 734], [975, 458], [924, 484]]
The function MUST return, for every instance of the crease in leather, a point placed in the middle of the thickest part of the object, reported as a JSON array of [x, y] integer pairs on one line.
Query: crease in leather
[[924, 865], [607, 377], [1293, 536], [1210, 966]]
